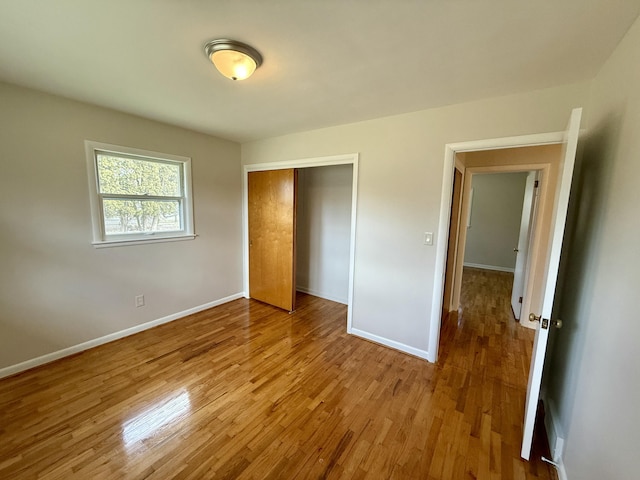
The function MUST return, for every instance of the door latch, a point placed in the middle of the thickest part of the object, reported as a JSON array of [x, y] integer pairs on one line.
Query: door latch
[[544, 322]]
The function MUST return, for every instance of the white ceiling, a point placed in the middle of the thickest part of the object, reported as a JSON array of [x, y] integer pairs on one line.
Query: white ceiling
[[326, 62]]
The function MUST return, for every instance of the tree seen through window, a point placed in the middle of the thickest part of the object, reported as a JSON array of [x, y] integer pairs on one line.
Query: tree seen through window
[[139, 196]]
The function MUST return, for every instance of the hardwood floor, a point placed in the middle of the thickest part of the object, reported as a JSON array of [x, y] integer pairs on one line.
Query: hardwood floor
[[248, 391]]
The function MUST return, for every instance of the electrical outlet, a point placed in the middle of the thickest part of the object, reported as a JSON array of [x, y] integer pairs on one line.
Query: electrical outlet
[[139, 300]]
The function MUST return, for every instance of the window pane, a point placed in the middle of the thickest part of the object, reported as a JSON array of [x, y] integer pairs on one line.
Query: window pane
[[141, 216], [127, 176]]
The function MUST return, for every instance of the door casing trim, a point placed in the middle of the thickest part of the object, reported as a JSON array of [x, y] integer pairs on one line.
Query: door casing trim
[[450, 151], [344, 159]]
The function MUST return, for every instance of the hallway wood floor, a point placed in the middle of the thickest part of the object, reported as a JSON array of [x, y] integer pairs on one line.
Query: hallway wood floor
[[247, 391]]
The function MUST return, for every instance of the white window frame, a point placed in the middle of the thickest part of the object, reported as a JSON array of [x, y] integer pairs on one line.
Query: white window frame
[[100, 238]]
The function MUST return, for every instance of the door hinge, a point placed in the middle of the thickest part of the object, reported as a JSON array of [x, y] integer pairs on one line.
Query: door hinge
[[535, 184], [520, 300]]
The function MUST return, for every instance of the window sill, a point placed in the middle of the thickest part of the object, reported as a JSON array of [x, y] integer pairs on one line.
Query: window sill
[[141, 241]]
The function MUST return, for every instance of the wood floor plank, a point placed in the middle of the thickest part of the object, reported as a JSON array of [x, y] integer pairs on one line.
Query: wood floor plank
[[247, 391]]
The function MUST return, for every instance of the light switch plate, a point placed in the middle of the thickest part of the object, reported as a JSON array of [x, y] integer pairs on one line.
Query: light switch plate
[[428, 238]]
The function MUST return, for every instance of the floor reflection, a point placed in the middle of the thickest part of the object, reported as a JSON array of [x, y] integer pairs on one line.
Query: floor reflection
[[153, 419]]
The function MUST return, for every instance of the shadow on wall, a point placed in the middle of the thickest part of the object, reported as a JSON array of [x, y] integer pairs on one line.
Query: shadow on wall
[[589, 191]]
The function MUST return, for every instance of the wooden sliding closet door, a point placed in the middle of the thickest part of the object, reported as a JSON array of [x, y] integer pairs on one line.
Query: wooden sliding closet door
[[272, 233]]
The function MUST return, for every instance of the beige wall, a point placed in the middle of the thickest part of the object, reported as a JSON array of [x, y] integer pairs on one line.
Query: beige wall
[[56, 289], [399, 189], [525, 156], [593, 385], [495, 220]]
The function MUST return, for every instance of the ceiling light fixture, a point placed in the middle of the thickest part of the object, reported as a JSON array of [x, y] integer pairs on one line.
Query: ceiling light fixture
[[234, 60]]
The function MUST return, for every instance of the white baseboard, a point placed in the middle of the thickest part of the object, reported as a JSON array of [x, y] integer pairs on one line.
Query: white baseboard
[[315, 293], [65, 352], [390, 343], [489, 267], [555, 437]]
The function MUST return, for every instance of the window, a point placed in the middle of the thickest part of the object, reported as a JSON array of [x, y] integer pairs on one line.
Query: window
[[138, 196]]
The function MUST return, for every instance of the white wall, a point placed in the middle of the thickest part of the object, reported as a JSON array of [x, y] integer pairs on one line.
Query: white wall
[[594, 385], [399, 188], [56, 289], [495, 220], [324, 231]]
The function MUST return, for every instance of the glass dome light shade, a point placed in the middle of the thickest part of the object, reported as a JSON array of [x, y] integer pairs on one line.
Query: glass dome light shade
[[233, 65], [233, 59]]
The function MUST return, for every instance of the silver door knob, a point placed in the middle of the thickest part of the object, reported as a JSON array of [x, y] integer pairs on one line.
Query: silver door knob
[[556, 323], [533, 317]]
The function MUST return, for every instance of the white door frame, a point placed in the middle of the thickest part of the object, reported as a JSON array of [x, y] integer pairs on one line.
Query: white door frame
[[450, 151], [346, 159]]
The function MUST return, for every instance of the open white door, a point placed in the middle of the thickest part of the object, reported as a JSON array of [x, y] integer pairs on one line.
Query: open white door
[[557, 234], [524, 239]]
